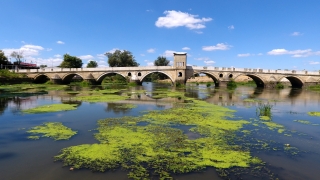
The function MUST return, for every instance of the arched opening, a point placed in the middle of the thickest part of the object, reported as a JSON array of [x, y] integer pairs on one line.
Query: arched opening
[[72, 78], [220, 75], [129, 74], [139, 74], [157, 77], [180, 74], [230, 75], [113, 78], [203, 78], [41, 79], [249, 80], [292, 81]]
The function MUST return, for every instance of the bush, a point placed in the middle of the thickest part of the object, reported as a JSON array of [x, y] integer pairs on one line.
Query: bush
[[264, 110], [279, 86], [231, 84], [208, 84]]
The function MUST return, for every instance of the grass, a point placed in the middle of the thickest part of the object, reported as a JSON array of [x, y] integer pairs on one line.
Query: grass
[[54, 130], [264, 110]]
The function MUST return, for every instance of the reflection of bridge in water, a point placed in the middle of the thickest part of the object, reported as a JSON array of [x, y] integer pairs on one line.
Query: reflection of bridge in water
[[178, 73]]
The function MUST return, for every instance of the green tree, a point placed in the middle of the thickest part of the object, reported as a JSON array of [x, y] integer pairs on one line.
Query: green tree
[[121, 59], [3, 58], [71, 62], [161, 61], [92, 64]]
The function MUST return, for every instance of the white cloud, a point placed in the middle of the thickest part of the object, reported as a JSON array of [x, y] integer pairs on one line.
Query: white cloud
[[168, 53], [296, 34], [26, 50], [149, 10], [186, 48], [259, 54], [86, 57], [294, 53], [313, 62], [150, 64], [199, 32], [57, 56], [219, 46], [101, 56], [231, 27], [151, 50], [203, 59], [142, 55], [177, 19], [23, 42], [49, 49], [244, 55], [208, 63], [113, 50], [60, 42]]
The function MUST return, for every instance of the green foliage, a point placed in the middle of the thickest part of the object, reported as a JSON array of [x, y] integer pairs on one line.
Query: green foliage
[[54, 130], [92, 64], [121, 59], [18, 55], [100, 97], [161, 61], [71, 62], [264, 110], [208, 84], [314, 88], [117, 78], [51, 108], [231, 84], [279, 85], [5, 73], [3, 58]]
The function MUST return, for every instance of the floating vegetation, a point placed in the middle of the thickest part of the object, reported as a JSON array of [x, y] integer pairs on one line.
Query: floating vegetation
[[251, 100], [51, 108], [159, 149], [163, 93], [124, 106], [265, 118], [303, 121], [101, 98], [314, 113], [54, 130]]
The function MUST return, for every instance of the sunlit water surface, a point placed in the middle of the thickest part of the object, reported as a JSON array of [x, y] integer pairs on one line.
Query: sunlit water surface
[[21, 158]]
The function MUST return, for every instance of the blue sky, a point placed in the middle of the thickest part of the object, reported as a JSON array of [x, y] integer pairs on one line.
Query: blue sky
[[268, 34]]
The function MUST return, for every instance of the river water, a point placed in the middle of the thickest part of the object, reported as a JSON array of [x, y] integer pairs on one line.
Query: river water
[[21, 158]]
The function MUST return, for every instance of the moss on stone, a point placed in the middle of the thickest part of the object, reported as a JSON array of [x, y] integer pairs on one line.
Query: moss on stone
[[54, 130], [51, 108]]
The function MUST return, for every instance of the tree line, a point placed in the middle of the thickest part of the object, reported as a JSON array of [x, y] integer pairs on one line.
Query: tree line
[[115, 59]]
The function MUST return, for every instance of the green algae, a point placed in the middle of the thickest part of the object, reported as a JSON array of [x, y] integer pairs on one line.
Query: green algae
[[101, 98], [51, 108], [159, 149], [265, 118], [314, 113], [54, 130], [125, 106], [251, 100], [303, 121]]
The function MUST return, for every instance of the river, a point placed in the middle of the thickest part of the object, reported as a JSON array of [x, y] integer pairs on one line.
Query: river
[[22, 158]]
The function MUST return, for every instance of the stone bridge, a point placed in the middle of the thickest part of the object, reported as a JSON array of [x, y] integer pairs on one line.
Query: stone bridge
[[178, 73]]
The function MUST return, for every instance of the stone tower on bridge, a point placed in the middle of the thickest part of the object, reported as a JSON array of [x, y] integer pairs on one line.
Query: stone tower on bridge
[[180, 65]]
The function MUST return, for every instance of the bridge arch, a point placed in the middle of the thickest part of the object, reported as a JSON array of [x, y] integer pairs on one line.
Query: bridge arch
[[257, 79], [295, 81], [214, 77], [102, 76], [68, 77], [41, 78], [145, 75]]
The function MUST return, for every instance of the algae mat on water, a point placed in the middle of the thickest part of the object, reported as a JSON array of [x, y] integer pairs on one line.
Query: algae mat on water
[[159, 149], [51, 108], [54, 130]]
